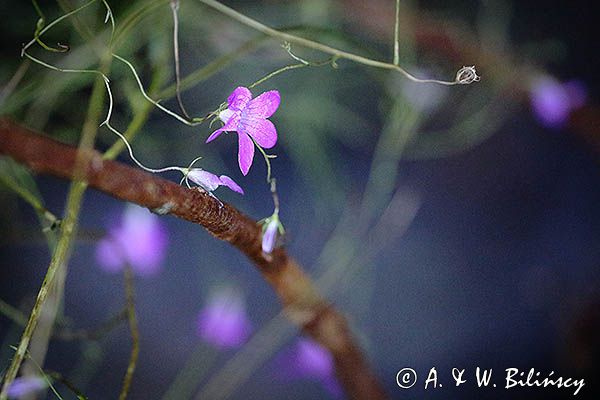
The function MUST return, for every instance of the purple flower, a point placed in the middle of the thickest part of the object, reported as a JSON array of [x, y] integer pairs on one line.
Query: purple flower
[[26, 385], [271, 229], [308, 360], [269, 237], [248, 117], [138, 240], [209, 181], [223, 321], [553, 101]]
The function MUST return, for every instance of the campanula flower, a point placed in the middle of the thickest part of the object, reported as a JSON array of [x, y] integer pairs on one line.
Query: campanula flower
[[139, 240], [553, 101], [309, 360], [209, 181], [26, 386], [248, 117], [223, 322]]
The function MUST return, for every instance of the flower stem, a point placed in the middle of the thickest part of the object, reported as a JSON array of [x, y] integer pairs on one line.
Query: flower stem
[[135, 333], [138, 120], [12, 313], [338, 54], [68, 228], [175, 9], [396, 35]]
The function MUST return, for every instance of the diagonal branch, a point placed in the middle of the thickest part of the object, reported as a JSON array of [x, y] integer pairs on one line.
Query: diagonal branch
[[301, 301]]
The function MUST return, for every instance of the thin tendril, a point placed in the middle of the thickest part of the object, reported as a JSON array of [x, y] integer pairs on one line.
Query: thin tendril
[[109, 17], [56, 21], [39, 26], [339, 54], [106, 121], [175, 9], [274, 73], [194, 122], [303, 63]]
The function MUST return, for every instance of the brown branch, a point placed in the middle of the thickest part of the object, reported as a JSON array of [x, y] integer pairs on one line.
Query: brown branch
[[301, 301]]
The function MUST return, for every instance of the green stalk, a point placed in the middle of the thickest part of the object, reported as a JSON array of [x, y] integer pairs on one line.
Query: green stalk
[[69, 227], [397, 35], [311, 44], [134, 330]]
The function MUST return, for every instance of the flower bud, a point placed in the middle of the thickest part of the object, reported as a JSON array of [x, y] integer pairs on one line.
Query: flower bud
[[209, 181], [269, 238]]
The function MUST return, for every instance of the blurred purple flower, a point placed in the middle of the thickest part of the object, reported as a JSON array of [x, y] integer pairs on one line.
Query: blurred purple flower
[[248, 117], [26, 385], [223, 321], [553, 101], [308, 360], [209, 181], [138, 240]]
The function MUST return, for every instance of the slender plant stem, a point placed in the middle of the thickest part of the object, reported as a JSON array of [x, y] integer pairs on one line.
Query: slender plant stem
[[31, 199], [57, 376], [68, 228], [12, 313], [129, 21], [397, 35], [135, 334], [150, 99], [338, 54], [276, 72], [192, 373], [94, 333], [175, 10], [383, 172], [82, 29], [7, 90], [66, 334], [138, 120], [303, 304]]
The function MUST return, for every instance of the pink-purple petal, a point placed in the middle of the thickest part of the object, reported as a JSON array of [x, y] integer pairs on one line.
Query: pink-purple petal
[[208, 181], [265, 105], [245, 152], [214, 135], [227, 181], [239, 98], [230, 126], [262, 130], [226, 115]]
